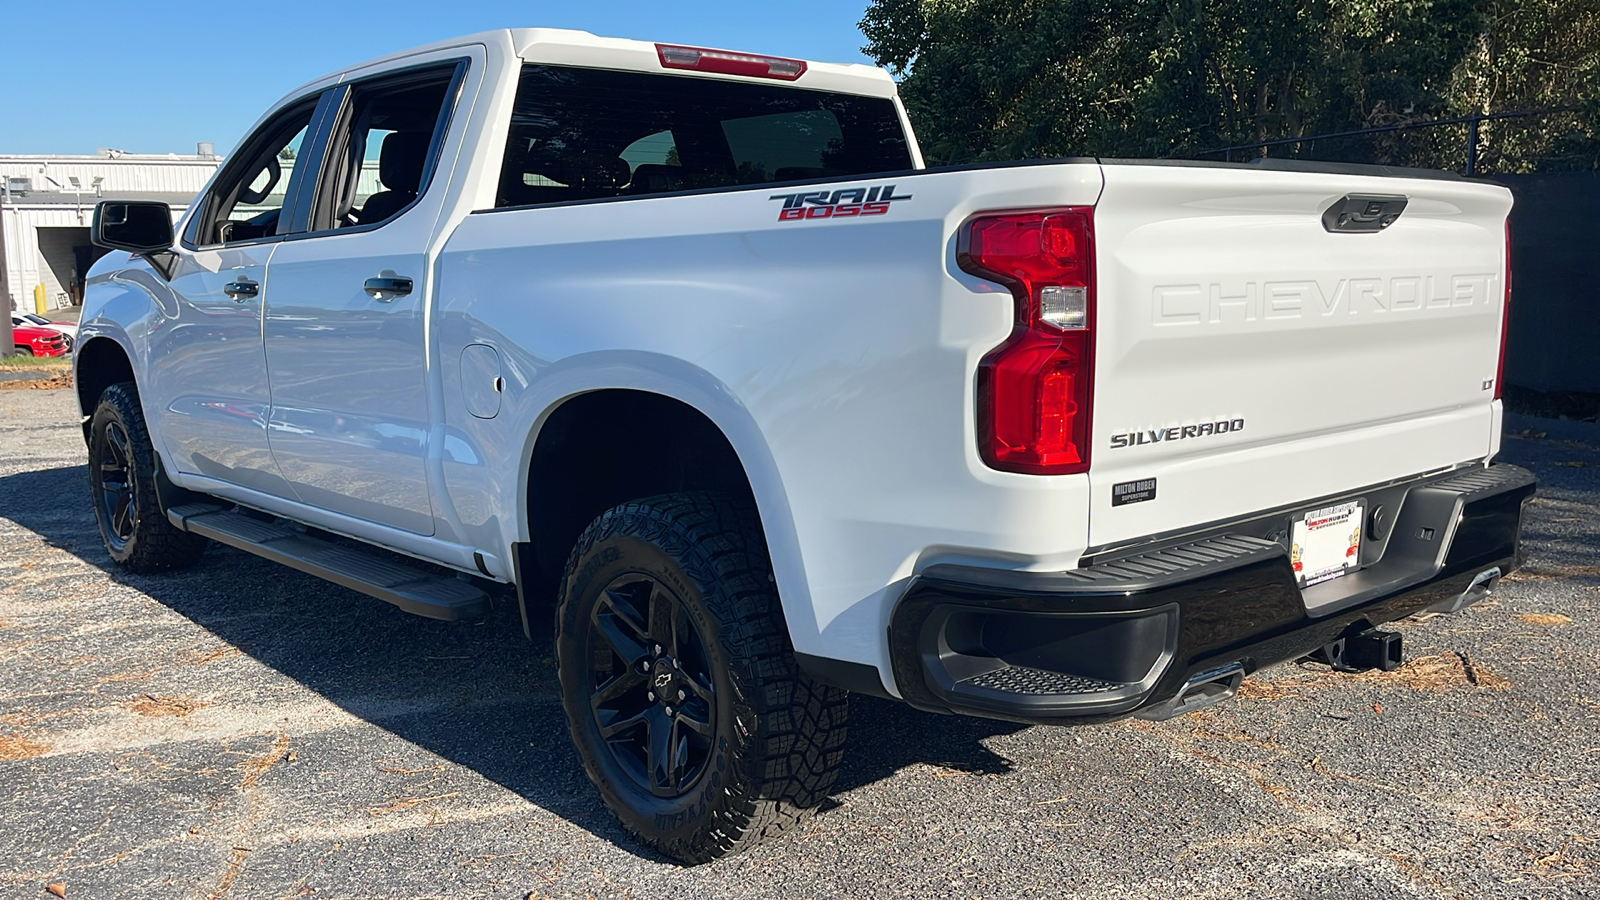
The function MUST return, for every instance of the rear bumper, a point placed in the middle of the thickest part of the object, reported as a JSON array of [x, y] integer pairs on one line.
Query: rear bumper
[[1128, 635]]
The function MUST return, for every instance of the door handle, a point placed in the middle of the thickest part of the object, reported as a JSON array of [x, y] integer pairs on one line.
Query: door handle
[[387, 287], [242, 290]]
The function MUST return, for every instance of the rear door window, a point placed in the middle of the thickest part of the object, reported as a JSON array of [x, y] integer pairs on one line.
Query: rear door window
[[584, 134]]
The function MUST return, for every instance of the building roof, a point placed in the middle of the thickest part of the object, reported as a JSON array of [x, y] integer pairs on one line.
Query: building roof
[[108, 156], [89, 199]]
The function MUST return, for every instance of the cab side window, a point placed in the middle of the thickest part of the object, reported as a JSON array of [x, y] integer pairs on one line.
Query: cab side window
[[247, 202], [383, 153]]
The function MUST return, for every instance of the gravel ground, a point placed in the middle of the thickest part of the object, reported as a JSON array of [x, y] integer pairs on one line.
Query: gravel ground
[[241, 730]]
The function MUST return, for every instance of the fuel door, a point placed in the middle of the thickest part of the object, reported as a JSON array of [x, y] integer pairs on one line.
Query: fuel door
[[481, 384]]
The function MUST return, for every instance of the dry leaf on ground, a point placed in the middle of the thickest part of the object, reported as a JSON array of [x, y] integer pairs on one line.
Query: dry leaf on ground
[[156, 707], [1439, 673], [63, 380], [1544, 618], [18, 747]]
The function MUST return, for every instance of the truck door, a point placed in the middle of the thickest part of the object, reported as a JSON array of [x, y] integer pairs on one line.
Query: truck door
[[345, 322], [208, 394]]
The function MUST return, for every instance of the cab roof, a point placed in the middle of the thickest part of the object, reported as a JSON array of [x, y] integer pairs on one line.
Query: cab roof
[[559, 46]]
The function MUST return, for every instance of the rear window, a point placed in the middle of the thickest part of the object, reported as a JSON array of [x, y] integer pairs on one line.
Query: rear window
[[584, 134]]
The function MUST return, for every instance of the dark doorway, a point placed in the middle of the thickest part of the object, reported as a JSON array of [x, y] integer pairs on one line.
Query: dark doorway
[[83, 256]]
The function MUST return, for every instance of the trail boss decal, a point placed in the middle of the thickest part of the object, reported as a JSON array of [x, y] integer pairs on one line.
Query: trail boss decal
[[1175, 433], [839, 204]]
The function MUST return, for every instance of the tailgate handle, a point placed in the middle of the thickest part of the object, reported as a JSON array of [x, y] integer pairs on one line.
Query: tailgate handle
[[1363, 213]]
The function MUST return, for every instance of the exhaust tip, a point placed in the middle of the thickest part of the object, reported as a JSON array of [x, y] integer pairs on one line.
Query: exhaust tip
[[1481, 586], [1208, 687]]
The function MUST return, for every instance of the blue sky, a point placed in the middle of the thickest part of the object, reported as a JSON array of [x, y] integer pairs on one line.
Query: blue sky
[[157, 77]]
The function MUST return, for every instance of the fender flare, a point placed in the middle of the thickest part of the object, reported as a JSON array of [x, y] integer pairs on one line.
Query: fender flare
[[698, 389]]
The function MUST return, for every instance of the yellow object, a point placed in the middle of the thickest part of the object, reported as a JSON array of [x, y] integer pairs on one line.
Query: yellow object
[[38, 299]]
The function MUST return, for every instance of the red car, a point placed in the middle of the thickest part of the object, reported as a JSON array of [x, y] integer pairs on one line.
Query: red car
[[31, 340]]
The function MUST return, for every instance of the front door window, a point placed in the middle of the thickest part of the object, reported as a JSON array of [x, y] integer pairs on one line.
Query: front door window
[[247, 202]]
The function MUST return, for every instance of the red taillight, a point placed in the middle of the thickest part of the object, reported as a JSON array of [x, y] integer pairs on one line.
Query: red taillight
[[725, 62], [1034, 390], [1505, 320]]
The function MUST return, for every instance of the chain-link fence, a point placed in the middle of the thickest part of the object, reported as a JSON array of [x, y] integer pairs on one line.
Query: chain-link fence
[[1520, 142]]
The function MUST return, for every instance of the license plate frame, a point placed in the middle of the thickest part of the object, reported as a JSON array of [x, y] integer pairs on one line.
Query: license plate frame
[[1325, 543]]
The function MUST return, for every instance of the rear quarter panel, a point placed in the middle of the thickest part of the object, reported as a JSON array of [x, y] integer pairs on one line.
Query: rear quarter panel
[[836, 355]]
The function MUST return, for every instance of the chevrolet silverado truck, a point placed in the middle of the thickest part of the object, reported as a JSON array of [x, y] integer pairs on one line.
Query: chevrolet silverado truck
[[691, 348]]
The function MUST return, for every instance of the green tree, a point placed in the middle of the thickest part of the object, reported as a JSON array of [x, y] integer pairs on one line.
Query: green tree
[[1536, 54], [992, 79]]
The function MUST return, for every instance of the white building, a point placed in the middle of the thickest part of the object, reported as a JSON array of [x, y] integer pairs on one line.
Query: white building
[[47, 203]]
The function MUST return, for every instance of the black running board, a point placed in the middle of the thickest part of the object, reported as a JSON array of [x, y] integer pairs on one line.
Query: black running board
[[414, 590]]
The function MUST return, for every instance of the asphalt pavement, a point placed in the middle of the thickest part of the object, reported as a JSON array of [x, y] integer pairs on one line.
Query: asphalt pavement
[[242, 730]]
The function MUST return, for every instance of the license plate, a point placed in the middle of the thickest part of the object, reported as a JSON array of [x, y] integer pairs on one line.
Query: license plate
[[1326, 543]]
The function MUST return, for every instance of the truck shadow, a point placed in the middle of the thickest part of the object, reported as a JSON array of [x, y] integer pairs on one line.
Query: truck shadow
[[479, 695]]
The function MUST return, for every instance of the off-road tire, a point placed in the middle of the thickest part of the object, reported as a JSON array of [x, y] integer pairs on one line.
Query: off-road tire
[[777, 736], [138, 535]]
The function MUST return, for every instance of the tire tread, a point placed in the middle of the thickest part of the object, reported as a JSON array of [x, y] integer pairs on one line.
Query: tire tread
[[157, 545], [796, 747]]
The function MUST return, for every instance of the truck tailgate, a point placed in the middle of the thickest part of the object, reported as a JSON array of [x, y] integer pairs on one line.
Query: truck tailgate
[[1248, 358]]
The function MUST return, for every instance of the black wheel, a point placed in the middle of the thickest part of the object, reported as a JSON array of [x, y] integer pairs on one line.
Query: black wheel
[[680, 684], [20, 350], [122, 470]]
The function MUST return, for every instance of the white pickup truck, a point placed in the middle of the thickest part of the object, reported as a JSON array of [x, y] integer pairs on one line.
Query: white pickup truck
[[690, 345]]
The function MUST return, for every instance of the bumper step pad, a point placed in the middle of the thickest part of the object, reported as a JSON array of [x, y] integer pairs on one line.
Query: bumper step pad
[[1023, 680], [372, 572]]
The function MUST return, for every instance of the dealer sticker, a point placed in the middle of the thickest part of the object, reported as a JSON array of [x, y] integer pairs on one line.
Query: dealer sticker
[[1127, 492], [1326, 543]]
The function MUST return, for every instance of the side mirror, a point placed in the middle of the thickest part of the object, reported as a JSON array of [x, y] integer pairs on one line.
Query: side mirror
[[137, 226]]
